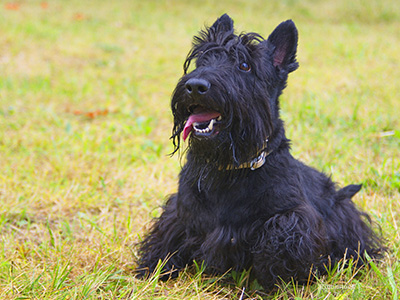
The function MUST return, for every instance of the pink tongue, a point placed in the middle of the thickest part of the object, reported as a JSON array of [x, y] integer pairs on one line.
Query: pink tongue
[[199, 118]]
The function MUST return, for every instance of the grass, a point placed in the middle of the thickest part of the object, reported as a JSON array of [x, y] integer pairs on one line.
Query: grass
[[85, 121]]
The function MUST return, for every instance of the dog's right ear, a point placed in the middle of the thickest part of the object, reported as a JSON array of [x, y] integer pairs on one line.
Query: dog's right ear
[[283, 44], [223, 24]]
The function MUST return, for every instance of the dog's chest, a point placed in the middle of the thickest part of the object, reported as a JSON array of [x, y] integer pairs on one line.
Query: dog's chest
[[206, 210]]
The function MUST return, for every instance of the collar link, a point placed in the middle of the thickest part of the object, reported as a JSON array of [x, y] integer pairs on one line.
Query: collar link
[[255, 163]]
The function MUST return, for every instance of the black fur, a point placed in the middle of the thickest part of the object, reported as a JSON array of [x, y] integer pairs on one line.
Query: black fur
[[283, 220]]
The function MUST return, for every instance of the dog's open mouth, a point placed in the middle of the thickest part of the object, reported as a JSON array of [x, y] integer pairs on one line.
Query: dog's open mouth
[[202, 123]]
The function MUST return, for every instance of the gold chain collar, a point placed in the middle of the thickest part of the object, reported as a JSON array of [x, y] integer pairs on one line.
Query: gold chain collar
[[255, 163]]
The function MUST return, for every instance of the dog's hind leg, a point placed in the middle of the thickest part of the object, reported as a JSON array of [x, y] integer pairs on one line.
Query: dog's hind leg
[[164, 244], [290, 245], [351, 230]]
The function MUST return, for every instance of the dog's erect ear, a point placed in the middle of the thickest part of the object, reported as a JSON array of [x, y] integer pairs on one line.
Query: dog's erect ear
[[283, 43], [223, 24]]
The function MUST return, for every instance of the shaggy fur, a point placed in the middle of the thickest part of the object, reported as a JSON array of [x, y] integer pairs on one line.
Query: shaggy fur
[[282, 220]]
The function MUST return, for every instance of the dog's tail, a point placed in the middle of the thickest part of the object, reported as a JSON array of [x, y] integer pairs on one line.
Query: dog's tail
[[348, 192]]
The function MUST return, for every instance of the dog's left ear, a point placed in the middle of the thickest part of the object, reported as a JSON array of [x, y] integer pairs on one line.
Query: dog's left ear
[[283, 44], [223, 24]]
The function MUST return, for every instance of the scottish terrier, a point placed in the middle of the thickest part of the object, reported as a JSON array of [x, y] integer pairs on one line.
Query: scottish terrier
[[244, 203]]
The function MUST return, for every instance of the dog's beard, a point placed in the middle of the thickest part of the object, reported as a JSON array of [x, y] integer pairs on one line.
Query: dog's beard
[[213, 151]]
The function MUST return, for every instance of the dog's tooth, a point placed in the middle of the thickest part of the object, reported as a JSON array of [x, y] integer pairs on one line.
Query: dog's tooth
[[219, 118], [211, 125]]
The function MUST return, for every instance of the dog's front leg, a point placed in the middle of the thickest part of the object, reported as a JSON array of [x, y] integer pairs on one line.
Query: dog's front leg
[[290, 245], [165, 244]]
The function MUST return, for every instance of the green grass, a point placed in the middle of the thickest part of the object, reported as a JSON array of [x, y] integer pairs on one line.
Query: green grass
[[85, 126]]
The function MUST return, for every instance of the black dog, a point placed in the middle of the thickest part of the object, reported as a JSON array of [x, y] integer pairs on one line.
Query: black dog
[[243, 201]]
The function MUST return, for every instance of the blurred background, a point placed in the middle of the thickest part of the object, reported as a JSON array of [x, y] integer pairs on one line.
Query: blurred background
[[85, 123]]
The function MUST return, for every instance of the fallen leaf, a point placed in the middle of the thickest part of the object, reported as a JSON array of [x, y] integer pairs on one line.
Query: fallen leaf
[[79, 17], [91, 114], [12, 6]]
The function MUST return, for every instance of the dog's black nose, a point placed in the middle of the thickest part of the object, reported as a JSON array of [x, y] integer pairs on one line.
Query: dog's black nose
[[197, 86]]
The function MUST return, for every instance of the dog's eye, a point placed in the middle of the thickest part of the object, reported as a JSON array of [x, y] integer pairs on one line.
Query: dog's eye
[[244, 67]]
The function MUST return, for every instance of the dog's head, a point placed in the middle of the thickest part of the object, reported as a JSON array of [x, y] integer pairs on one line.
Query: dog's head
[[228, 105]]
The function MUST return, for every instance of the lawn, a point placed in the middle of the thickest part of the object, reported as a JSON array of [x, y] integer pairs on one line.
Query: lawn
[[85, 125]]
